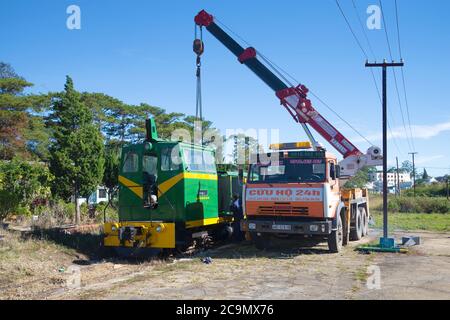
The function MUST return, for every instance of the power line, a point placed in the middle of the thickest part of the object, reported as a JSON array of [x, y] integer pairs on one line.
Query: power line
[[408, 138], [403, 74], [385, 29], [398, 30], [351, 30], [281, 71], [342, 119], [273, 65], [363, 30], [367, 58], [373, 75], [390, 113]]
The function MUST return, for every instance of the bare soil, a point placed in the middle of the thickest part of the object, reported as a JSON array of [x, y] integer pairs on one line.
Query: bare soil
[[236, 272]]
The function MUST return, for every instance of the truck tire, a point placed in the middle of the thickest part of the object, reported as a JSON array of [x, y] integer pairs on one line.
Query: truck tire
[[356, 231], [365, 222], [335, 239], [262, 242]]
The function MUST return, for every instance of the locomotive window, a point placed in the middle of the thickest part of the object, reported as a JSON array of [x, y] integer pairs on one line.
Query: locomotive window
[[170, 159], [131, 163], [198, 160], [149, 164]]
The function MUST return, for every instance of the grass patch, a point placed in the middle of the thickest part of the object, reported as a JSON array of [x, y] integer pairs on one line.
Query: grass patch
[[407, 204], [414, 221], [28, 264]]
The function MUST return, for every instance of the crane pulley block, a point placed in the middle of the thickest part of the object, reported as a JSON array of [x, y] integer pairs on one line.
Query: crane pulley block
[[203, 18], [198, 47]]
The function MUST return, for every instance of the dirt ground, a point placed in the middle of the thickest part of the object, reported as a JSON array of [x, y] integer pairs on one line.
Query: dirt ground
[[242, 272]]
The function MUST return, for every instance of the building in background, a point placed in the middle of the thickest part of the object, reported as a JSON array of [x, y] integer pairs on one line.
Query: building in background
[[99, 195], [376, 181]]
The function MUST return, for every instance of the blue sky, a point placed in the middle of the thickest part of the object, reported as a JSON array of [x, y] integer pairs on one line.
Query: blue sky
[[141, 51]]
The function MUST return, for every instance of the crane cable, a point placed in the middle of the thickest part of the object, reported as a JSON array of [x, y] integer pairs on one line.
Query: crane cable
[[198, 48]]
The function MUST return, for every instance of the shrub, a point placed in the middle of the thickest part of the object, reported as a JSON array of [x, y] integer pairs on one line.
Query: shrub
[[55, 214], [433, 205], [417, 205], [432, 190], [21, 184]]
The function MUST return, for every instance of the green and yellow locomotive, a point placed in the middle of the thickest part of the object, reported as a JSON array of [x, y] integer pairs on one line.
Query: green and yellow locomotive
[[170, 193]]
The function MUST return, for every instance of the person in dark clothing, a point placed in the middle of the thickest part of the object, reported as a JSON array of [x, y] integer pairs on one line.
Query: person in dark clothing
[[150, 191], [238, 215]]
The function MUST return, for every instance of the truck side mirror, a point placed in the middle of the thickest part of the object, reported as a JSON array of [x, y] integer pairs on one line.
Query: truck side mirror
[[338, 171], [333, 169]]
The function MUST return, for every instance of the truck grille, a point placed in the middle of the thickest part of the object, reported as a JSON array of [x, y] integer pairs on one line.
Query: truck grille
[[275, 210]]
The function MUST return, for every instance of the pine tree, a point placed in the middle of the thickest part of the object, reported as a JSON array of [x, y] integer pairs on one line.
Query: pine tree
[[425, 175], [77, 151], [13, 116]]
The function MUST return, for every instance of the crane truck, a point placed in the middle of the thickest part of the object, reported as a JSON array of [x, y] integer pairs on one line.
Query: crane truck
[[299, 191]]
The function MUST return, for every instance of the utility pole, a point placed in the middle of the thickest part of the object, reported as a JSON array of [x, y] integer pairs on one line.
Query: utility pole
[[448, 193], [384, 67], [414, 171], [398, 178]]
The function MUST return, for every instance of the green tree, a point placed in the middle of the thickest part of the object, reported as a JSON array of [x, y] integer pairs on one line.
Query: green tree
[[13, 116], [21, 184], [361, 178], [22, 130], [111, 173], [126, 123], [76, 151], [406, 166], [425, 175], [392, 170]]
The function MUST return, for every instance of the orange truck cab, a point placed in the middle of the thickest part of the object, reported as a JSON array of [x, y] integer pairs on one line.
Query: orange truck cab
[[298, 194]]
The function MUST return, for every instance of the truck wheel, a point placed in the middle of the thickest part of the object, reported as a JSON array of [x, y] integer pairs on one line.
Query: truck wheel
[[356, 232], [365, 222], [262, 242], [335, 239]]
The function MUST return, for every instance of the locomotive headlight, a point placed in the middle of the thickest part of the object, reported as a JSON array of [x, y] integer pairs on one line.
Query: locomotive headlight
[[160, 228], [148, 146]]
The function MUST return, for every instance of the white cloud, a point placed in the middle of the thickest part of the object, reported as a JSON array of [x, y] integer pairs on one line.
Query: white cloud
[[418, 132], [422, 160]]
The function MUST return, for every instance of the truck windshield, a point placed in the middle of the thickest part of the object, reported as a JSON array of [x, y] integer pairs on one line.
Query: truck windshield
[[289, 170]]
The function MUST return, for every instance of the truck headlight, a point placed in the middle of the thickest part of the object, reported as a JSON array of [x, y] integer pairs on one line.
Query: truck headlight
[[314, 228], [252, 226]]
